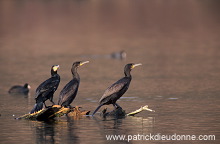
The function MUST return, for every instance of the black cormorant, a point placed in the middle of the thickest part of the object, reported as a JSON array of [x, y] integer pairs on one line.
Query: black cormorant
[[46, 89], [17, 89], [116, 90], [68, 93]]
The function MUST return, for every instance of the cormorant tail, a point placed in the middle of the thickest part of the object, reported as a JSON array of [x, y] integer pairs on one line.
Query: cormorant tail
[[37, 107], [97, 109]]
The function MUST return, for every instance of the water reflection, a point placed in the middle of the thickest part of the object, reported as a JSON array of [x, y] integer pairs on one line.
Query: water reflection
[[45, 132], [69, 129], [125, 126], [72, 130]]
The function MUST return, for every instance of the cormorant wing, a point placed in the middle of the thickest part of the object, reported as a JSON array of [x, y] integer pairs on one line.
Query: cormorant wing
[[116, 87], [48, 86], [69, 90]]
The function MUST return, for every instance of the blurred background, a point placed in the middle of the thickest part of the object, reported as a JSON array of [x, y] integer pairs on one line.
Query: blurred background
[[176, 41], [30, 29], [43, 33]]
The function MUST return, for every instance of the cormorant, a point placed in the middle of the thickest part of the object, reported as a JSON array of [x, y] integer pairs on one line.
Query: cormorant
[[116, 90], [17, 89], [68, 93], [46, 89]]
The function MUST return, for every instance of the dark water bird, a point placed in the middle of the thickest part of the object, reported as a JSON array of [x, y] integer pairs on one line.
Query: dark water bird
[[119, 55], [18, 89], [46, 89], [68, 93], [116, 90]]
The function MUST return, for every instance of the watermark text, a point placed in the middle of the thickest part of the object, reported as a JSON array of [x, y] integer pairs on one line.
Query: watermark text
[[159, 136]]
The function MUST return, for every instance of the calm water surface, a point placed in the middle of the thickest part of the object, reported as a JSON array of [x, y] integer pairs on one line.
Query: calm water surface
[[179, 78]]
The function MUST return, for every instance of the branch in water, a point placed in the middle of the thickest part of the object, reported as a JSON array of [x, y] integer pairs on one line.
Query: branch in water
[[140, 110]]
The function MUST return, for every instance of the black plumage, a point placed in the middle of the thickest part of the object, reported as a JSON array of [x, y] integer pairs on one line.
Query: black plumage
[[18, 89], [116, 90], [69, 92], [46, 89]]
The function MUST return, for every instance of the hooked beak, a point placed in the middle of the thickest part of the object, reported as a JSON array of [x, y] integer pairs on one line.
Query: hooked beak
[[82, 63], [135, 65]]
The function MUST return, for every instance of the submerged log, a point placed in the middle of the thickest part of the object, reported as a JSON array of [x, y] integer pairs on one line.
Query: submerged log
[[119, 112], [58, 111], [46, 114], [75, 112]]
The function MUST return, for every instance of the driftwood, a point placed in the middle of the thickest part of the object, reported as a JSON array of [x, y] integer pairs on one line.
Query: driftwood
[[48, 113], [119, 112], [58, 111], [144, 108], [76, 112]]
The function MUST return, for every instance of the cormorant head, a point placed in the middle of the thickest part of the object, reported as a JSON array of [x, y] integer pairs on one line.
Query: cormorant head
[[129, 67], [54, 69], [26, 85], [79, 63], [76, 65]]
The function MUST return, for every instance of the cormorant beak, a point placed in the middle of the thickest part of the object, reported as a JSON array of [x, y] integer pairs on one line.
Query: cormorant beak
[[55, 67], [134, 65], [29, 87], [82, 63]]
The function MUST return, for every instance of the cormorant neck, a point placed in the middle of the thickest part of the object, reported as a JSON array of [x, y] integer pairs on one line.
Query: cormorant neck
[[127, 73], [53, 72], [74, 73]]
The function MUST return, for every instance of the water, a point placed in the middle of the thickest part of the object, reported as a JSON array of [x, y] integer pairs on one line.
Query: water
[[179, 78]]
